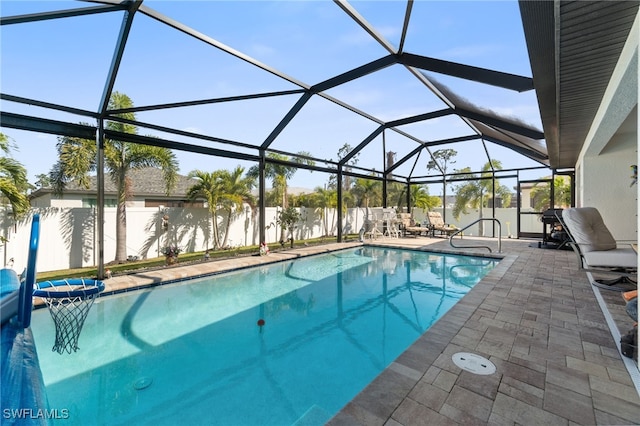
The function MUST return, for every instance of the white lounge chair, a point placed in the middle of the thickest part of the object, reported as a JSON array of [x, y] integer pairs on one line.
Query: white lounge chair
[[596, 248]]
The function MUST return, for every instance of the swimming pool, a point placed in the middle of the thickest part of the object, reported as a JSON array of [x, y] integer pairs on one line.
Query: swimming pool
[[288, 343]]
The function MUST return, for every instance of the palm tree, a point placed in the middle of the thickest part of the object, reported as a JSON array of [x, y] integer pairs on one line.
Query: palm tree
[[396, 194], [368, 191], [235, 191], [209, 187], [323, 199], [476, 193], [280, 174], [13, 180], [541, 193], [77, 158], [420, 198]]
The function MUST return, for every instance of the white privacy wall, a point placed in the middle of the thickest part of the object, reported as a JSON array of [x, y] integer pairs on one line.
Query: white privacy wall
[[68, 235]]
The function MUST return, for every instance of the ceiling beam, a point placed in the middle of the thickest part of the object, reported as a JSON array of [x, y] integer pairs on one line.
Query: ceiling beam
[[180, 146], [205, 101], [468, 72], [502, 124], [286, 119], [44, 125], [181, 132], [361, 146], [215, 43], [48, 105], [355, 73], [420, 117], [44, 16], [125, 28], [527, 152]]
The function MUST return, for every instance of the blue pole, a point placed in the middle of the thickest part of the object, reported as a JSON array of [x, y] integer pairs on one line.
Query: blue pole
[[25, 303]]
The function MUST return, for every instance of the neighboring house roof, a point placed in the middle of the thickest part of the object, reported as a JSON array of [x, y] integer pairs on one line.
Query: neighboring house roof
[[145, 182]]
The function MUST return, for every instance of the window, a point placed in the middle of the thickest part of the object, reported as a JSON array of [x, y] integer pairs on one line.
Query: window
[[93, 202]]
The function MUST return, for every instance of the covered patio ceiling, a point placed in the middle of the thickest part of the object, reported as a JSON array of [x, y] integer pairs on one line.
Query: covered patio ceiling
[[574, 47], [392, 82]]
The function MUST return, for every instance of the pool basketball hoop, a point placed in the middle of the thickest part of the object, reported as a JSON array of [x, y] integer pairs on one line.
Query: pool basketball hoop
[[69, 302]]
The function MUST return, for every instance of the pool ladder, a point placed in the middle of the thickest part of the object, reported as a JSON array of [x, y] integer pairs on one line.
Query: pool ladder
[[492, 219]]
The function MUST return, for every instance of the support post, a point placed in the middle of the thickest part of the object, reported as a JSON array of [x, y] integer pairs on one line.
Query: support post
[[339, 206], [261, 196], [100, 187]]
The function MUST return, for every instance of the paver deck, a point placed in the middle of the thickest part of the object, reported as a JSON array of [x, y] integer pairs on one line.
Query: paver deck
[[535, 316]]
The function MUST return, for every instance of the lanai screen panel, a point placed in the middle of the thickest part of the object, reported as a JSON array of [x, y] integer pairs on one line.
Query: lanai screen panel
[[441, 29], [501, 101], [387, 17], [247, 121], [321, 128], [388, 94], [309, 41], [273, 47], [161, 65], [469, 154], [437, 129], [373, 155], [61, 61], [401, 146], [508, 159]]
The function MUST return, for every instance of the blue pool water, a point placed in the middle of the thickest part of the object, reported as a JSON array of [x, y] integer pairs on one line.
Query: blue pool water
[[193, 352]]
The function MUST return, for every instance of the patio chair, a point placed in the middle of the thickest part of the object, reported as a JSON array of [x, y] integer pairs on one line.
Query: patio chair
[[597, 250], [408, 225], [436, 223]]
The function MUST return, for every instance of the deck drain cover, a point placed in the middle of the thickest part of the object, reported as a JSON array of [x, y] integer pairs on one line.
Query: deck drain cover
[[473, 363]]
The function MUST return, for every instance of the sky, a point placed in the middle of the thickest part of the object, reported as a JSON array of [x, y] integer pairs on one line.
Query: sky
[[66, 61]]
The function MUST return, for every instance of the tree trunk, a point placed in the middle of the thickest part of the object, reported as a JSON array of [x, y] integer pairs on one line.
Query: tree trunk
[[333, 220], [214, 226], [285, 203], [285, 200], [226, 232], [121, 232], [124, 185], [481, 223], [324, 221]]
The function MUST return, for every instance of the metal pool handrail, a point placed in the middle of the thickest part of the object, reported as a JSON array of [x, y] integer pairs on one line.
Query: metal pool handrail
[[493, 219]]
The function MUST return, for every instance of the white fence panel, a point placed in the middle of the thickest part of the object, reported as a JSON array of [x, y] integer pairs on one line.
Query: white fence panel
[[68, 236]]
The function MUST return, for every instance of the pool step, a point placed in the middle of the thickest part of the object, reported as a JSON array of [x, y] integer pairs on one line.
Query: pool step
[[314, 416]]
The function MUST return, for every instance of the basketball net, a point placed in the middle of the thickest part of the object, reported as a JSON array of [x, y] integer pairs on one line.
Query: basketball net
[[69, 303]]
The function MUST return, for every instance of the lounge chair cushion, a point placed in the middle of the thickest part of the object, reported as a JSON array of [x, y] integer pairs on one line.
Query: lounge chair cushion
[[589, 231], [619, 257], [437, 223]]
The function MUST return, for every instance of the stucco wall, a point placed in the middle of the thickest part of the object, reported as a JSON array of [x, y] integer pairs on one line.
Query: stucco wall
[[607, 178], [611, 147]]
